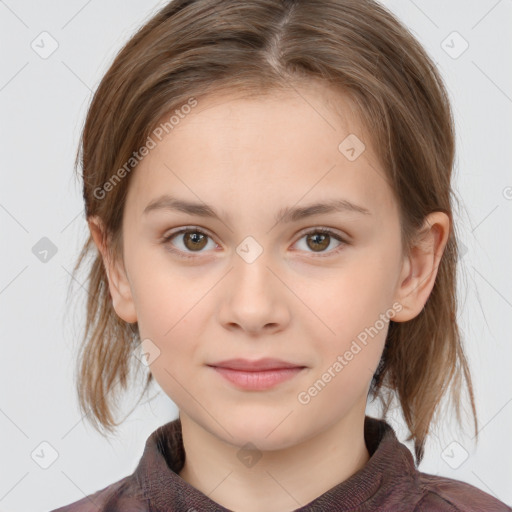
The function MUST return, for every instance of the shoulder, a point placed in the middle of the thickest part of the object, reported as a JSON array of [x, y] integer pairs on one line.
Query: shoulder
[[124, 495], [446, 494]]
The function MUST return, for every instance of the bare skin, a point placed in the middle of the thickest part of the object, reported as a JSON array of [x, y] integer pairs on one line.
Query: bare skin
[[301, 300]]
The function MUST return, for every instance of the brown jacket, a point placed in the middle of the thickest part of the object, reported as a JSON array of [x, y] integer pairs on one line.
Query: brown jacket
[[388, 482]]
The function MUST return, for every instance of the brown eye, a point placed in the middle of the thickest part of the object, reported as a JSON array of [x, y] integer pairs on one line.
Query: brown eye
[[318, 241], [186, 242], [194, 240]]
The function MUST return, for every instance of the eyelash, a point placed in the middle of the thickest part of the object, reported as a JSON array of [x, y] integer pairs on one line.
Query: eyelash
[[192, 229]]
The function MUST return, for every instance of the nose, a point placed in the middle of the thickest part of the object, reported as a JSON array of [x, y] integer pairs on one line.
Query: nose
[[253, 298]]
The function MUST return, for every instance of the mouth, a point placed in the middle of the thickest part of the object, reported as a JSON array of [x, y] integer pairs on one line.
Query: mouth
[[264, 364], [257, 375]]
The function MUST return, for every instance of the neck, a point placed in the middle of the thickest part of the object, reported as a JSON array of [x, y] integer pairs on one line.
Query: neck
[[281, 480]]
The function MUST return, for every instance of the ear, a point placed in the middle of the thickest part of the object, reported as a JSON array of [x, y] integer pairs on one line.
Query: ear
[[419, 268], [119, 285]]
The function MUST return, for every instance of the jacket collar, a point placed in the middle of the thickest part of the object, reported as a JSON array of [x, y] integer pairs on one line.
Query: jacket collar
[[164, 457]]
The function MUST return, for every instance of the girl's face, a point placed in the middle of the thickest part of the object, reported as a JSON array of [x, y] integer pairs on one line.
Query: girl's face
[[254, 278]]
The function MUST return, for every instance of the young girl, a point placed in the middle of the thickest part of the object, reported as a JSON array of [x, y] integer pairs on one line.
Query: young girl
[[268, 190]]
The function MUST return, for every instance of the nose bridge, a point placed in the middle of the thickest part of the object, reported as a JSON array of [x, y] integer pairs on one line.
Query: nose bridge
[[253, 298], [251, 269], [252, 280]]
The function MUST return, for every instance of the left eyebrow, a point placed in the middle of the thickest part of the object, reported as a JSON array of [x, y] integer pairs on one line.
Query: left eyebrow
[[295, 214], [285, 215]]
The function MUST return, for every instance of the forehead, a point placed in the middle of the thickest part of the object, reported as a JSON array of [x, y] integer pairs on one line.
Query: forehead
[[276, 148]]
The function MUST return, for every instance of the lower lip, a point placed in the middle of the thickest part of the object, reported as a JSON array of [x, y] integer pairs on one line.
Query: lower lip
[[259, 380]]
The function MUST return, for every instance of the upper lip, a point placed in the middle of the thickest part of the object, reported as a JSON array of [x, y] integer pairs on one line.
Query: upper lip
[[256, 365]]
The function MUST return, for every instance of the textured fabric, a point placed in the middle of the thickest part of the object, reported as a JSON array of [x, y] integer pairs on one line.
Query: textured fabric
[[388, 482]]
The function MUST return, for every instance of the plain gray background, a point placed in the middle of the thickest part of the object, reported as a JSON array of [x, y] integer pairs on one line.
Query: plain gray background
[[43, 100]]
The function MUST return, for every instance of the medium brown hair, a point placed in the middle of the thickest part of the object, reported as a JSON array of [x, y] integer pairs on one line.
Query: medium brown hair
[[192, 48]]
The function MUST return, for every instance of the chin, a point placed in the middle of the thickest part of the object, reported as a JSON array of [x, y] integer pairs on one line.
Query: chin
[[265, 432]]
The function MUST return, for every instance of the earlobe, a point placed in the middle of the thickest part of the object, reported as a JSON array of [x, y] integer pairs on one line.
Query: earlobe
[[419, 269], [119, 286]]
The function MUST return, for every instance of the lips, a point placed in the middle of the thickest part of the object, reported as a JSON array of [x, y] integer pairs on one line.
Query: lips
[[259, 365]]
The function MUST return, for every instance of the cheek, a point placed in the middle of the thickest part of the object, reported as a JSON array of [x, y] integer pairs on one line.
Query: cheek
[[347, 357], [351, 317], [163, 292], [351, 296], [168, 308], [168, 305]]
